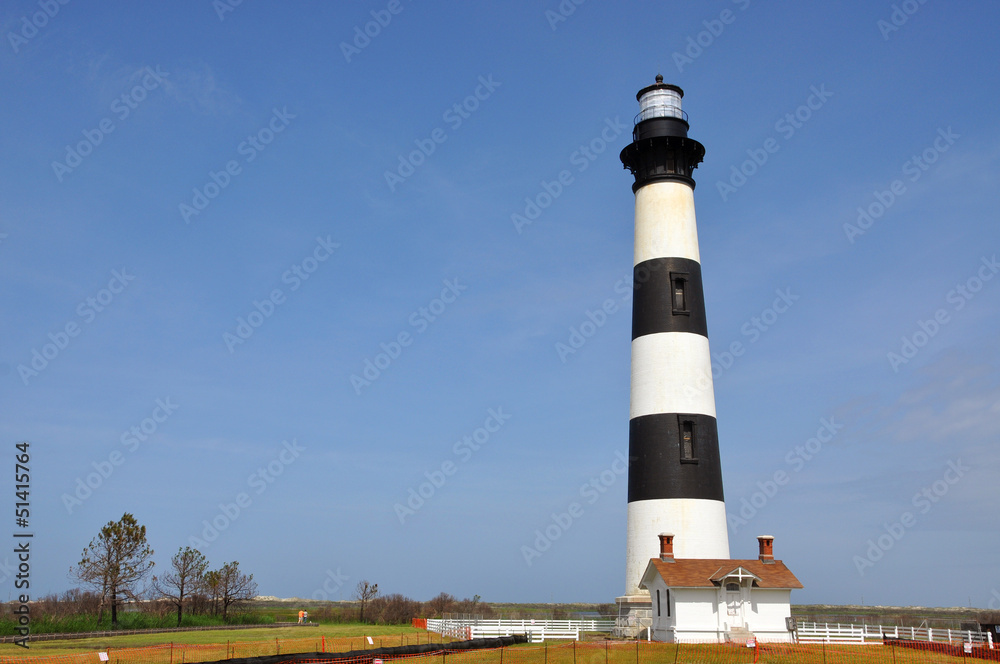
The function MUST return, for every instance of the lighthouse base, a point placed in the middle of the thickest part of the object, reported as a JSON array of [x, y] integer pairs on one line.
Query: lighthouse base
[[635, 617]]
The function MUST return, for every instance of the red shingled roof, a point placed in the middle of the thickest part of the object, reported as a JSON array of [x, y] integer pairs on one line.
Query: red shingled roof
[[707, 573]]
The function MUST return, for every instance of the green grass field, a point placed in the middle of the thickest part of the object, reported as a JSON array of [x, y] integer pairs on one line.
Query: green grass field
[[213, 645], [387, 635], [209, 645]]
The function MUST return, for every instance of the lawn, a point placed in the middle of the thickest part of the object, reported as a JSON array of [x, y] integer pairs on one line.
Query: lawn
[[343, 636]]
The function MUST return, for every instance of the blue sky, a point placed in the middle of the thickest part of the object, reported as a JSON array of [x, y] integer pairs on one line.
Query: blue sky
[[218, 253]]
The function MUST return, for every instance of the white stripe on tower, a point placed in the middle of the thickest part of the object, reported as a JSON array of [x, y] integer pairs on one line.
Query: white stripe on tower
[[675, 475], [664, 223]]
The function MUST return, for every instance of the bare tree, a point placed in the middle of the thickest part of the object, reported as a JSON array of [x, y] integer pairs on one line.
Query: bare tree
[[393, 609], [365, 592], [441, 604], [115, 562], [235, 586], [183, 580]]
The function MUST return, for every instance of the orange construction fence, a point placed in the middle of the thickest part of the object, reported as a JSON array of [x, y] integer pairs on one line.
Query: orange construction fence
[[574, 652]]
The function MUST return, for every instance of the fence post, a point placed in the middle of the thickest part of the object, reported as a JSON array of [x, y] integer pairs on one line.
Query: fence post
[[171, 652], [324, 644], [605, 651], [277, 647], [574, 652]]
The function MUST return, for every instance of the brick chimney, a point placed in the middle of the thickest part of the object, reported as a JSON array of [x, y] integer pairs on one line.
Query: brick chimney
[[667, 547], [766, 548]]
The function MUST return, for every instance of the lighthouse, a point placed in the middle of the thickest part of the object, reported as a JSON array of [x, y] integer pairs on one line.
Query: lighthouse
[[675, 474]]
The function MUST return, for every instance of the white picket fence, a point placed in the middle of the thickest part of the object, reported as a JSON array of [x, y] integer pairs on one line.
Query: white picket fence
[[809, 632], [537, 630]]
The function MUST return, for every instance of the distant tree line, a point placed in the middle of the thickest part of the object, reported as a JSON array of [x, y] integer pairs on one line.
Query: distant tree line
[[396, 609], [371, 607]]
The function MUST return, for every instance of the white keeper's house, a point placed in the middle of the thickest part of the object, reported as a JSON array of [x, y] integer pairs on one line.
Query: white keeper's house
[[718, 600]]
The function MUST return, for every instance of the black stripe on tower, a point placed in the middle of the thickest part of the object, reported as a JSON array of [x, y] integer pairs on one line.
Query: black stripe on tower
[[674, 455], [668, 297]]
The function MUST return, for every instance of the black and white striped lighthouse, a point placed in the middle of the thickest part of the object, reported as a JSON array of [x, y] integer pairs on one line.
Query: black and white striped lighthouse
[[675, 475]]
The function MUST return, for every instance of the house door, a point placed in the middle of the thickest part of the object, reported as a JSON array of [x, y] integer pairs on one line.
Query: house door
[[734, 604]]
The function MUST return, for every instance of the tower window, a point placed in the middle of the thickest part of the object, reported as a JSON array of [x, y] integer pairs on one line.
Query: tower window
[[678, 293], [657, 601], [688, 447], [668, 602]]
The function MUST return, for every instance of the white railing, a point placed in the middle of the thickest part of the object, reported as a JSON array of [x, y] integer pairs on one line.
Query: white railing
[[632, 625], [809, 632], [536, 630]]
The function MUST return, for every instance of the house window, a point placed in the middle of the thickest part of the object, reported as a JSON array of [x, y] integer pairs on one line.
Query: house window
[[657, 601], [668, 602], [678, 293], [688, 451], [733, 587]]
